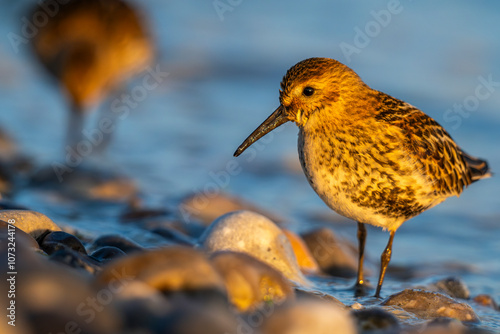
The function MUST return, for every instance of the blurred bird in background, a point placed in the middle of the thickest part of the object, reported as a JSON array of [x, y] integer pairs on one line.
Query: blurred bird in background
[[92, 47]]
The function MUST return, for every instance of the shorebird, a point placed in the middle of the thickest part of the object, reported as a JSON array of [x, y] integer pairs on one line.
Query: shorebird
[[91, 47], [370, 157]]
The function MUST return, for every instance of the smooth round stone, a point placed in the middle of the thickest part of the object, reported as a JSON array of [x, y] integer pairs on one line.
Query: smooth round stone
[[309, 317], [168, 269], [486, 300], [18, 235], [206, 209], [250, 282], [306, 261], [31, 222], [251, 233], [334, 256], [124, 244], [107, 253], [452, 286], [57, 240], [76, 260], [376, 320], [426, 305]]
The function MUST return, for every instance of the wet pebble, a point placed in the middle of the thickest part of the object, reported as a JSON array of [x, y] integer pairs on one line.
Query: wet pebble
[[250, 282], [122, 243], [32, 222], [452, 286], [333, 255], [107, 253], [309, 317], [205, 209], [168, 269], [425, 304], [376, 320], [251, 233], [306, 261], [75, 260], [486, 300], [54, 241]]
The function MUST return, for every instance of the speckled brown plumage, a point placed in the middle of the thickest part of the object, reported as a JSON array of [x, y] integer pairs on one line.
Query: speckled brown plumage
[[369, 156]]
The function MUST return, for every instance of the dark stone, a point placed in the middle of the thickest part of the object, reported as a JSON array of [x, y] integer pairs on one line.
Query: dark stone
[[75, 260], [126, 245], [376, 320], [55, 241], [334, 255], [453, 287], [107, 253]]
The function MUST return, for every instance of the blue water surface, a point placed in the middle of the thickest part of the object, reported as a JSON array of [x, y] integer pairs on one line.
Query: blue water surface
[[224, 73]]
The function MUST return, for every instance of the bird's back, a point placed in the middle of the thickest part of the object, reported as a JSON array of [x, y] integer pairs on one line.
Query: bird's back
[[448, 167]]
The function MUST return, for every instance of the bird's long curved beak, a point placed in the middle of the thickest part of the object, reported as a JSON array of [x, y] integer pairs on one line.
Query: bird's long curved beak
[[277, 118]]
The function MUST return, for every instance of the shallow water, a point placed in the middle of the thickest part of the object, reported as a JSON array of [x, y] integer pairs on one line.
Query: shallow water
[[223, 81]]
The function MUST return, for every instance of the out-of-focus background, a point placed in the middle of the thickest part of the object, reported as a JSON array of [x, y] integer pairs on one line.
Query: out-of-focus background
[[225, 61]]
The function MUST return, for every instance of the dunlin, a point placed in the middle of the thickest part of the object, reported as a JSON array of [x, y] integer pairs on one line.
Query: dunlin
[[370, 157], [91, 47]]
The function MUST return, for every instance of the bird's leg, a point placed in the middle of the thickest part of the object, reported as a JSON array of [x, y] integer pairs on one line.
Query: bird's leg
[[108, 114], [361, 244], [75, 128], [384, 262]]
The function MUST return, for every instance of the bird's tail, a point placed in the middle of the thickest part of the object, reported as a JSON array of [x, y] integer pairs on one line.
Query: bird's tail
[[479, 168]]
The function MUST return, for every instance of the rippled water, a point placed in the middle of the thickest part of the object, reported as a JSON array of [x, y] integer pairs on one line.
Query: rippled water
[[223, 81]]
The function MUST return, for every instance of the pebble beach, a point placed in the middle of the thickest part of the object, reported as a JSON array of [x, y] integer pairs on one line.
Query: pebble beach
[[166, 232]]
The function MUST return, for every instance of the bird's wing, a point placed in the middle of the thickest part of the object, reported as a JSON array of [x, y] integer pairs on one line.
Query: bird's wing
[[443, 163]]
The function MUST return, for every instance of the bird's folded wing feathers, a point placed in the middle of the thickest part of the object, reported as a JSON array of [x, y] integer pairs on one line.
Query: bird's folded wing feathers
[[444, 163]]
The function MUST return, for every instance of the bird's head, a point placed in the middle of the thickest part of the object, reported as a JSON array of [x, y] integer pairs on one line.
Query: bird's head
[[314, 85]]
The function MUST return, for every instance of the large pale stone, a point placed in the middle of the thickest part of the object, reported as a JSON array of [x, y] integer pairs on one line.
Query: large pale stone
[[251, 233]]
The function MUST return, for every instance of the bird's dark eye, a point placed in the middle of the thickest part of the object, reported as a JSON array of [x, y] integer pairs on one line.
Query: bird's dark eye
[[308, 91]]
